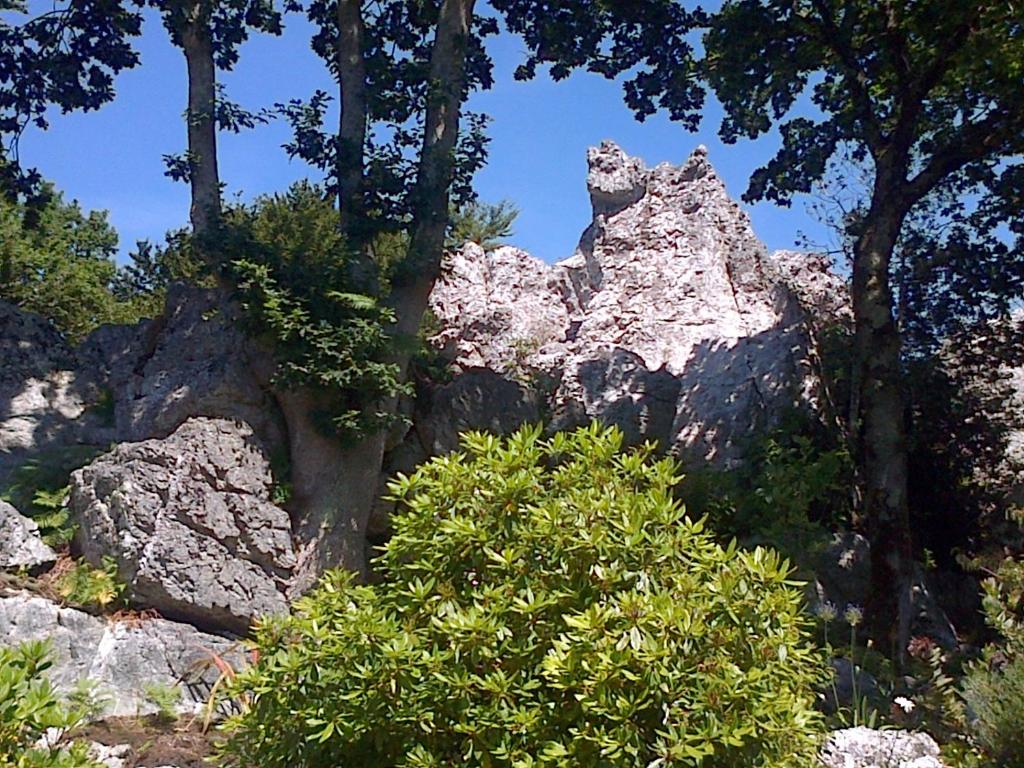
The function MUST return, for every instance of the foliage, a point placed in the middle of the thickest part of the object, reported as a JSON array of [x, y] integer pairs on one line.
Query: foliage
[[289, 263], [793, 489], [28, 707], [993, 689], [165, 698], [151, 268], [58, 262], [38, 489], [481, 223], [545, 602], [995, 698], [87, 586], [65, 54]]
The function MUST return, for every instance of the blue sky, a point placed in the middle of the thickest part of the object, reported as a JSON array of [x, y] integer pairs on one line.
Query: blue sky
[[111, 159]]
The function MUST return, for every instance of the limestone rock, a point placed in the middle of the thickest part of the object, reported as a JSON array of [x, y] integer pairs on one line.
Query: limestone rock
[[864, 748], [196, 360], [120, 657], [670, 320], [20, 544], [189, 521]]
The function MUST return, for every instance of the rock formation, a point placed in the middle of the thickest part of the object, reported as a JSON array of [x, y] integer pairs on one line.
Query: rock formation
[[190, 523], [671, 319], [866, 748]]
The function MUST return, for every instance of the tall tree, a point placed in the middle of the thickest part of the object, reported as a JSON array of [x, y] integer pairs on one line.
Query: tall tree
[[209, 33], [402, 158], [66, 56]]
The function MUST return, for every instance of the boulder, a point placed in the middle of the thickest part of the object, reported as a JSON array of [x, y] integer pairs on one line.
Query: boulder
[[120, 657], [671, 319], [864, 748], [20, 543], [189, 521]]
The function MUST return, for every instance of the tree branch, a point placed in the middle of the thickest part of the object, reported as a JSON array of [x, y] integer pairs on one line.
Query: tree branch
[[972, 141], [832, 37]]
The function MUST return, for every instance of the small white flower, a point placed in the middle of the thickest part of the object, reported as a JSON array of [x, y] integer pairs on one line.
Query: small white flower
[[904, 703]]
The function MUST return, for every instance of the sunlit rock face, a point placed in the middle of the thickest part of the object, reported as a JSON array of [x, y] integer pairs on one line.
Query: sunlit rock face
[[671, 319]]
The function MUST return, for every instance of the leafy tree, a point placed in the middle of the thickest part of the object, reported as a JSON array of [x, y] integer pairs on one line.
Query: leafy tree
[[58, 262], [930, 92], [66, 56], [544, 603], [400, 162]]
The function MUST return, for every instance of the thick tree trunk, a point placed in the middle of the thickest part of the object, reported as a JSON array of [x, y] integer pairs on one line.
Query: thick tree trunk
[[204, 178], [881, 423], [336, 487]]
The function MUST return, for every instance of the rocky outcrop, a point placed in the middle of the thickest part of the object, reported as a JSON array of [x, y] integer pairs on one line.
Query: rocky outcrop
[[122, 658], [864, 748], [671, 320], [20, 543], [190, 523], [195, 360]]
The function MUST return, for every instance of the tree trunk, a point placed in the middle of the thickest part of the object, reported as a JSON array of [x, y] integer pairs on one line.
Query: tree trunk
[[197, 43], [881, 423], [352, 129], [336, 487], [416, 277]]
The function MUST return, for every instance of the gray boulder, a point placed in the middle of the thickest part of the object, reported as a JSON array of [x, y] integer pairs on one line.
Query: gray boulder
[[190, 523], [20, 544], [120, 657], [864, 748], [671, 319], [195, 360]]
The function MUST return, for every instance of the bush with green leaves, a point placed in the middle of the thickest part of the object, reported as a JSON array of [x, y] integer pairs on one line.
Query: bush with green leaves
[[545, 602], [993, 688], [291, 267], [29, 706], [793, 489]]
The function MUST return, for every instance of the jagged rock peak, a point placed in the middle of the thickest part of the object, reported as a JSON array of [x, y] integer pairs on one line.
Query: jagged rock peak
[[616, 180], [670, 320]]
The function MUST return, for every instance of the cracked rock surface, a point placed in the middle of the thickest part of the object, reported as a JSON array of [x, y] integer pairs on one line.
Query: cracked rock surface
[[120, 657], [671, 320], [190, 523], [864, 748]]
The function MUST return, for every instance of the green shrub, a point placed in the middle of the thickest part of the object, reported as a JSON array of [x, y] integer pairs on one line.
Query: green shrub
[[545, 603], [28, 707], [995, 706], [291, 267], [993, 688], [88, 586]]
